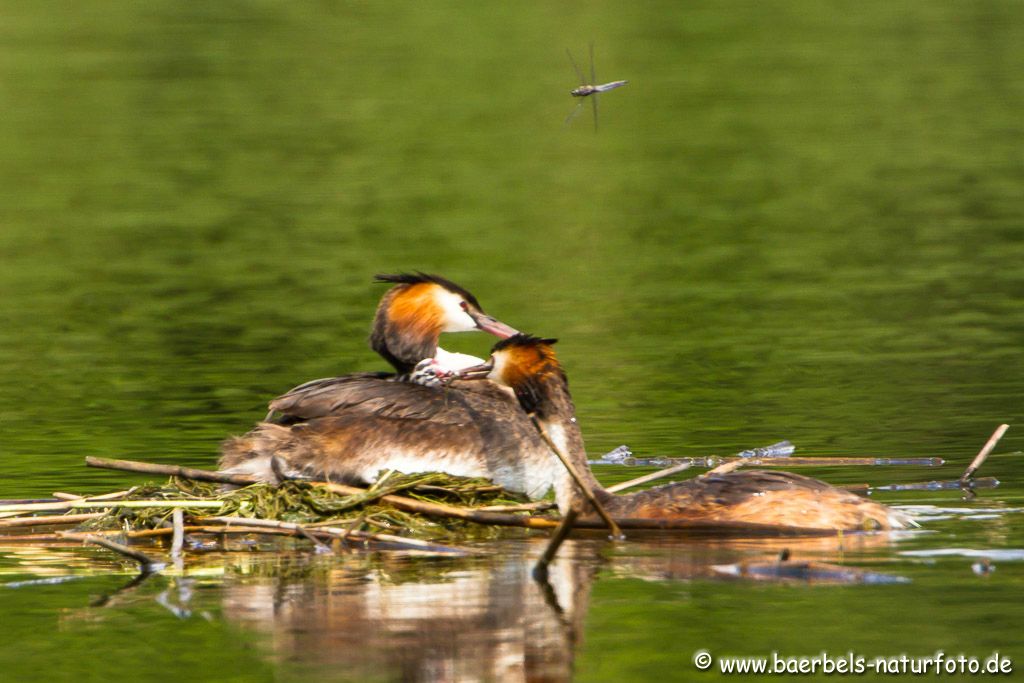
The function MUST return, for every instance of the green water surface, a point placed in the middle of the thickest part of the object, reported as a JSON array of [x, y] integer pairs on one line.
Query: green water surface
[[799, 220]]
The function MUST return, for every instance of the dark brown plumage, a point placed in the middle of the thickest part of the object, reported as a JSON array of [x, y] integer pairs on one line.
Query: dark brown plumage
[[473, 430]]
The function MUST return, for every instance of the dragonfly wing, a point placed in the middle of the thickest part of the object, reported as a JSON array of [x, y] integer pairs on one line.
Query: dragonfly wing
[[593, 76], [593, 98], [573, 113], [579, 74]]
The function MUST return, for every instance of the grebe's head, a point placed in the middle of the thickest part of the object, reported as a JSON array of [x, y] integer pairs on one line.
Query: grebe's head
[[525, 364], [413, 314], [424, 300]]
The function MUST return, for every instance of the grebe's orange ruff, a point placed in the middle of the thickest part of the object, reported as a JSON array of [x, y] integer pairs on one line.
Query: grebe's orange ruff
[[529, 367]]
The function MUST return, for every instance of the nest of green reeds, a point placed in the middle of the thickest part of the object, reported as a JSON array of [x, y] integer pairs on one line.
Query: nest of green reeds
[[307, 504]]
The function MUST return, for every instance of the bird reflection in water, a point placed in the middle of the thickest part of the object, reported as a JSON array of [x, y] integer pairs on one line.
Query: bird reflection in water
[[473, 619], [402, 617]]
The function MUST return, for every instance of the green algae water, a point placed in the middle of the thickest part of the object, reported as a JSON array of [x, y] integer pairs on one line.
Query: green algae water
[[799, 220]]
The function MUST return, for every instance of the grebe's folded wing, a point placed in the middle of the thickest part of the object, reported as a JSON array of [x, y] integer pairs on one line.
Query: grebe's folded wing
[[736, 486], [370, 394]]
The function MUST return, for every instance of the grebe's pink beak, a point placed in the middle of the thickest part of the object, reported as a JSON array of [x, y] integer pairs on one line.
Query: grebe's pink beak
[[481, 371], [492, 325]]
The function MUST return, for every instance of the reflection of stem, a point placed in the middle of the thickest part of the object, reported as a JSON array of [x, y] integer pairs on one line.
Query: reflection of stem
[[540, 570], [547, 591], [104, 600], [146, 563], [179, 532]]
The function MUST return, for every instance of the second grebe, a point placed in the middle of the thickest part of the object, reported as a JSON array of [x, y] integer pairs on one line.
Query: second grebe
[[528, 366]]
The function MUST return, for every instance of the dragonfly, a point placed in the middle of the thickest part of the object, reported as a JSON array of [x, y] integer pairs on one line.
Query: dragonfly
[[587, 89]]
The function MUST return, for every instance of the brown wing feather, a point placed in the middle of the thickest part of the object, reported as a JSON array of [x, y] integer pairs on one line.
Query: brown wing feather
[[382, 396]]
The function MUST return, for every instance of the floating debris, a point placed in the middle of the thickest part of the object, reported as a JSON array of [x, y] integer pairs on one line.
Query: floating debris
[[953, 485], [935, 513], [1000, 554], [781, 449], [49, 581], [785, 569], [983, 567]]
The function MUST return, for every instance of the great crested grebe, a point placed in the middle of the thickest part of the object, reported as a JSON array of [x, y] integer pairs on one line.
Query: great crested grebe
[[471, 429], [350, 428], [528, 366], [406, 327]]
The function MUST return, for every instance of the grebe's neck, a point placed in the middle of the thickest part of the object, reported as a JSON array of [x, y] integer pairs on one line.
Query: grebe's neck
[[555, 412]]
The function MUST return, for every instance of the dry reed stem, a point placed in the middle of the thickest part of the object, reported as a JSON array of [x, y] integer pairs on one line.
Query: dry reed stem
[[667, 472], [147, 563], [979, 459], [616, 532], [49, 520]]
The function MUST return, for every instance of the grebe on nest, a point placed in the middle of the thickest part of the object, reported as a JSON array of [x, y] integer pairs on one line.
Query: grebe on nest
[[771, 499], [406, 327], [350, 428]]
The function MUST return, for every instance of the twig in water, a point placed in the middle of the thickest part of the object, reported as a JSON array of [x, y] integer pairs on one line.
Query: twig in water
[[813, 461], [22, 501], [147, 564], [49, 520], [667, 472], [980, 457], [727, 467], [86, 504], [178, 540], [616, 532], [171, 470], [953, 485], [536, 506]]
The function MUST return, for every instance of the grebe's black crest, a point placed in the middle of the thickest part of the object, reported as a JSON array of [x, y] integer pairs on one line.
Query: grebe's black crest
[[533, 372], [522, 340], [417, 277]]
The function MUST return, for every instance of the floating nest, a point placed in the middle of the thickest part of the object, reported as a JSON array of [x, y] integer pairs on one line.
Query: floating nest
[[307, 504]]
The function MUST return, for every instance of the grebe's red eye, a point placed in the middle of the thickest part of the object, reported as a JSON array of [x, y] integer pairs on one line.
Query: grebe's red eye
[[464, 305]]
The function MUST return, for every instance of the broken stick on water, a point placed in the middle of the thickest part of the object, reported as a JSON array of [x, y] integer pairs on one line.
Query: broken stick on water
[[178, 540], [660, 474], [147, 564], [986, 449]]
